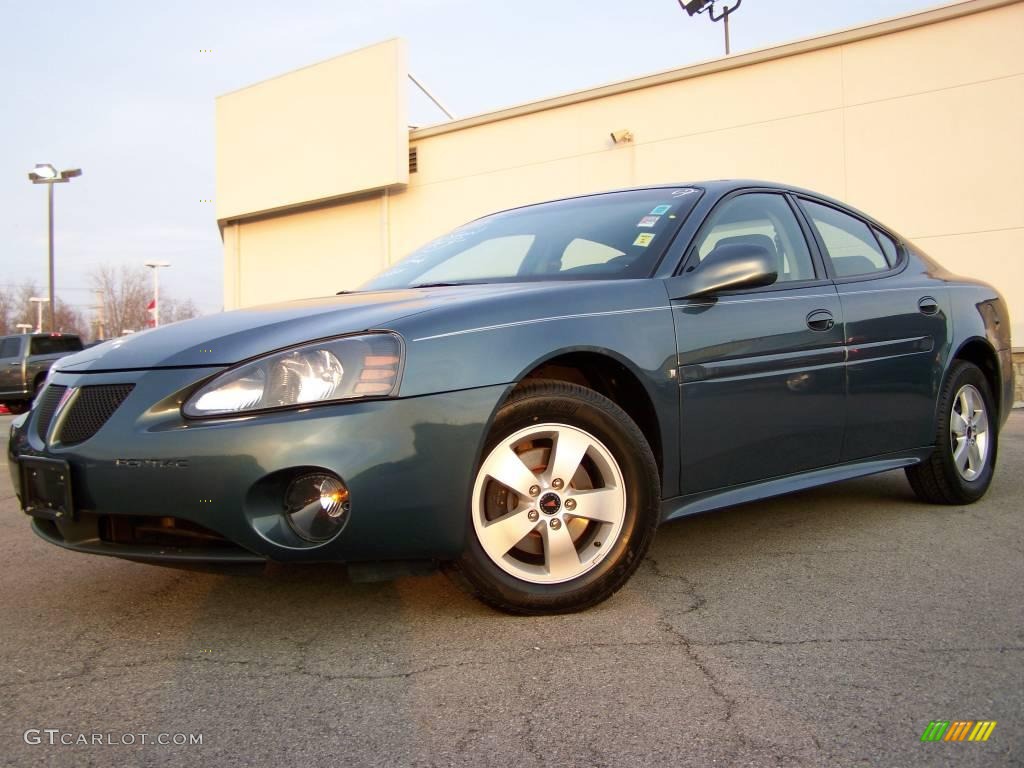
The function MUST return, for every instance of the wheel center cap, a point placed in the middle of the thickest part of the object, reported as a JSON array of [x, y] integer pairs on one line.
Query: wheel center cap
[[550, 503]]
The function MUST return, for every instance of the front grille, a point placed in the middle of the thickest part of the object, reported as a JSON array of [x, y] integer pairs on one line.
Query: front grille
[[47, 407], [90, 409]]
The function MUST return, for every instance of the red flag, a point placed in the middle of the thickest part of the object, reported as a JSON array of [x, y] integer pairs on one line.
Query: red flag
[[152, 305]]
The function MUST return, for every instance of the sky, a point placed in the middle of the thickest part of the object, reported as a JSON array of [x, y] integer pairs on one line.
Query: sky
[[125, 91]]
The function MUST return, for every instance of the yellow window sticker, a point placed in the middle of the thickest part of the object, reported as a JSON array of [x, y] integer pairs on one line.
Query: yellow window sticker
[[644, 239]]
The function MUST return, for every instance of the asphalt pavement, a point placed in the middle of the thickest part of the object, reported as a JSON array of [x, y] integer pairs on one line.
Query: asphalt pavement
[[823, 628]]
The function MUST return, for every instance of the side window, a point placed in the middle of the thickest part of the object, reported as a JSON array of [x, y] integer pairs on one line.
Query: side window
[[888, 246], [496, 257], [850, 243], [9, 347], [761, 219]]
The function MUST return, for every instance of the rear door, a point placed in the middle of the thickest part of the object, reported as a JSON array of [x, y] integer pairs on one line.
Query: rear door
[[761, 374], [897, 330], [10, 365]]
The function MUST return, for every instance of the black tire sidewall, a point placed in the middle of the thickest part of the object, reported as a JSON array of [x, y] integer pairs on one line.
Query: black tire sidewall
[[573, 406]]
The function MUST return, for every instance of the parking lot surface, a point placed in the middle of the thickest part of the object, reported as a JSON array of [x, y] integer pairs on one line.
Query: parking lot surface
[[823, 628]]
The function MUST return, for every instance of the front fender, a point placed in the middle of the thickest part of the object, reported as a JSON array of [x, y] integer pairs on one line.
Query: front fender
[[500, 341]]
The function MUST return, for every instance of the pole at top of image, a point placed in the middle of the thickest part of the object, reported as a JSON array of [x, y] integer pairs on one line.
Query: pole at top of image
[[45, 173], [693, 7]]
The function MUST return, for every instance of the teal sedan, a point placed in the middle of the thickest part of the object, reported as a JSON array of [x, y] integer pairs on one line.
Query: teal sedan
[[524, 400]]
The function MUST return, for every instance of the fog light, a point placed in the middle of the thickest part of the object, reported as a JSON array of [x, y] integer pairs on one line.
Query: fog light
[[316, 506]]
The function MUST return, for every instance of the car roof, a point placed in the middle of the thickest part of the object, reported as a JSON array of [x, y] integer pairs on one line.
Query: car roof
[[716, 187]]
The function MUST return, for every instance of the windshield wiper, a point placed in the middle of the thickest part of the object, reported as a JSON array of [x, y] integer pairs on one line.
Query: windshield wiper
[[442, 285]]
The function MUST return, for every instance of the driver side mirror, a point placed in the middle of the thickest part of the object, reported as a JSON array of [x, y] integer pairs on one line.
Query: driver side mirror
[[727, 268]]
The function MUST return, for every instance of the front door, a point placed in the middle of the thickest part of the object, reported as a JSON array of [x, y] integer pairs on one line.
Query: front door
[[761, 371]]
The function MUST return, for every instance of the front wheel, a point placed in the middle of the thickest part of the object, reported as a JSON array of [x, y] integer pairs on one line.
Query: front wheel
[[960, 469], [564, 505]]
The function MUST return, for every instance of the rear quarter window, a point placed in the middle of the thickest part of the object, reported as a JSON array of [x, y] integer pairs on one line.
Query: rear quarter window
[[889, 247], [51, 345]]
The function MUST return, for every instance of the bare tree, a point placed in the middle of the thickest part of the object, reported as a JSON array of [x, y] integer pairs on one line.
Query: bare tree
[[6, 312], [173, 310], [70, 320], [125, 293], [16, 308]]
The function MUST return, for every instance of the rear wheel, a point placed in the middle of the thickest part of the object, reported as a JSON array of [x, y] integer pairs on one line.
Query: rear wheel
[[960, 469], [564, 505]]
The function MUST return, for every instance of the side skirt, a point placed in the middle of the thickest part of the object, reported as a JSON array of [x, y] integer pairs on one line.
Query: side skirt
[[695, 503]]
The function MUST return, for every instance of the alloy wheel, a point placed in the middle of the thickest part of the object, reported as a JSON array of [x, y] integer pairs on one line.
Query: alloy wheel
[[968, 432], [548, 504]]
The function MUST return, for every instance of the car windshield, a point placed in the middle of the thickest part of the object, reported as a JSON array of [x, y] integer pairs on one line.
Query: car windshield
[[600, 237]]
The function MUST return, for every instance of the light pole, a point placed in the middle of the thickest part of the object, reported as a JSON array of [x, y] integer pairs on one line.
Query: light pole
[[44, 173], [693, 7], [39, 301], [155, 266]]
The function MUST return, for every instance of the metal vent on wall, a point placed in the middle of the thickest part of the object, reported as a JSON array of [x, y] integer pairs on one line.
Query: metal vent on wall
[[89, 411], [48, 403], [413, 160]]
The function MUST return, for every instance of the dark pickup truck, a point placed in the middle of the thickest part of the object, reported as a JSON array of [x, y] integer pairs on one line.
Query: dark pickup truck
[[25, 360]]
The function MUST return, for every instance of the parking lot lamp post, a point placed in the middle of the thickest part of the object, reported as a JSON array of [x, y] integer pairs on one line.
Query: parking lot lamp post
[[155, 266], [39, 301], [44, 173]]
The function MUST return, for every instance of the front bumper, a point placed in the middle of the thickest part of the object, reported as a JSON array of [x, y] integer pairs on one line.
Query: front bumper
[[408, 464]]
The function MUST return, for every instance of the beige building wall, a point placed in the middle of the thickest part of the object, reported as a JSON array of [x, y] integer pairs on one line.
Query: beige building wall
[[323, 131], [919, 121]]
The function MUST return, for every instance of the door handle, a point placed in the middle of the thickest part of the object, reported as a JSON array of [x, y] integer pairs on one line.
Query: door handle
[[928, 305], [820, 320]]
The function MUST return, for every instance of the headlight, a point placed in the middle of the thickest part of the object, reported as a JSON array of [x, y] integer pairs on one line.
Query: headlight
[[325, 371]]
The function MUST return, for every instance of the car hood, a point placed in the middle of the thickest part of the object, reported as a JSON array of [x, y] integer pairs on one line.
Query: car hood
[[230, 337]]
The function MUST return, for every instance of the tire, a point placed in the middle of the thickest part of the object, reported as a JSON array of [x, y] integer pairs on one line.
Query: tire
[[566, 550], [943, 478]]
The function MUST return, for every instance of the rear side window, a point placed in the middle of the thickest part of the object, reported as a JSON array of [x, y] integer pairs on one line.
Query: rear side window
[[49, 345], [9, 347], [851, 244]]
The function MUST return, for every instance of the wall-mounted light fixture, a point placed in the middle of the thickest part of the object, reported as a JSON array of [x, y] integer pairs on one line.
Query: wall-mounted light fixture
[[624, 136]]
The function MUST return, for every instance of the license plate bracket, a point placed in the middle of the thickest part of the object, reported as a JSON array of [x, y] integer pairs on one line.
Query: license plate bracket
[[46, 488]]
